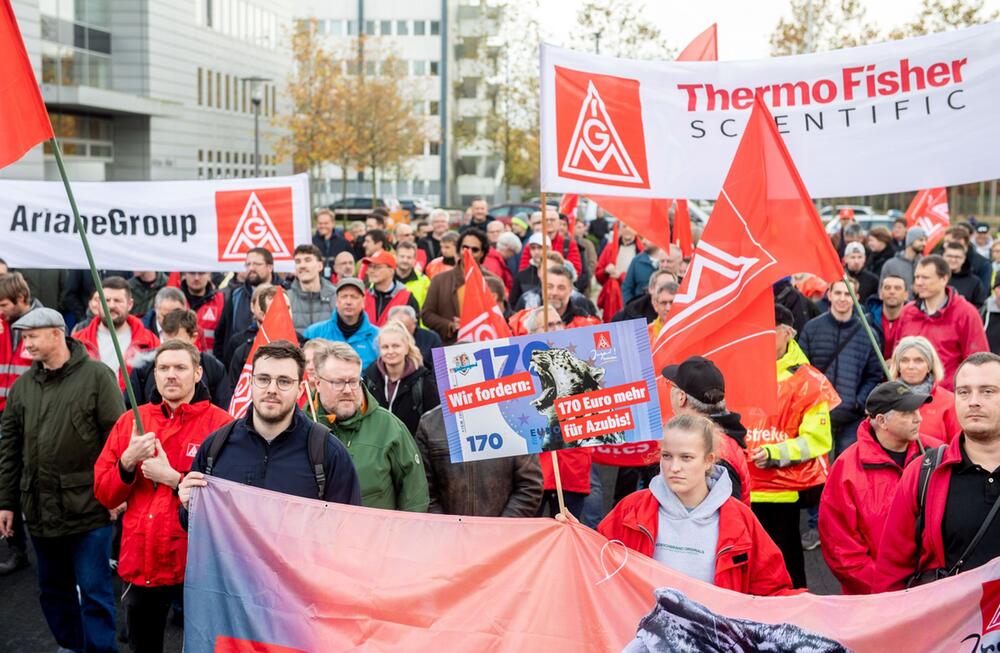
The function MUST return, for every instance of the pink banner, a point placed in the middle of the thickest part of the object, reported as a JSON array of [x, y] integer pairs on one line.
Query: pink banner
[[303, 575]]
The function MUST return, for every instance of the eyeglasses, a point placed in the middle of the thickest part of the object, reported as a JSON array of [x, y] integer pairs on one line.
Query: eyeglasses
[[340, 384], [474, 250], [284, 383]]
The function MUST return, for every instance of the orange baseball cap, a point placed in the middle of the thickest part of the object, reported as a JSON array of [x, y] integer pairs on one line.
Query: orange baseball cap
[[381, 258]]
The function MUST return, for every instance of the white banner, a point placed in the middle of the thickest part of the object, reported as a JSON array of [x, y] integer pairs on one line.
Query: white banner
[[892, 117], [155, 225]]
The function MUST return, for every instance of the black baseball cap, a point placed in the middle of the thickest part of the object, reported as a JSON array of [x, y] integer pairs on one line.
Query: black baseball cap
[[698, 377], [894, 395]]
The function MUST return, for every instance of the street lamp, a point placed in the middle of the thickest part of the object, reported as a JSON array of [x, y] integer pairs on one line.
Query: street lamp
[[256, 97]]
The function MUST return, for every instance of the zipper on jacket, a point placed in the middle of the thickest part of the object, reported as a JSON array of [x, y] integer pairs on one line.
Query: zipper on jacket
[[267, 450], [723, 550], [646, 532]]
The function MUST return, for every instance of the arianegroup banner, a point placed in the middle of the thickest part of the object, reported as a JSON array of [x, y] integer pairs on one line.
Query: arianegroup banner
[[271, 573], [155, 225], [580, 387], [884, 118]]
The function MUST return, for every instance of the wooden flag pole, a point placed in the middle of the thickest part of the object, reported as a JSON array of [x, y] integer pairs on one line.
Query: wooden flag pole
[[545, 327], [97, 284]]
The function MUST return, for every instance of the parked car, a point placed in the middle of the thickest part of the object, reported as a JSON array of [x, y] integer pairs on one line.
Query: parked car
[[830, 210], [418, 208], [523, 210], [355, 208], [866, 222]]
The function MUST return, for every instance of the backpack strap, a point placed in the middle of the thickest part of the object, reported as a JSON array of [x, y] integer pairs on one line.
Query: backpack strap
[[929, 462], [317, 456], [218, 442]]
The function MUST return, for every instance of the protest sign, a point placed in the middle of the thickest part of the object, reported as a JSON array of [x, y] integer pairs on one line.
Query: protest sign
[[156, 225], [860, 121], [586, 386], [273, 573]]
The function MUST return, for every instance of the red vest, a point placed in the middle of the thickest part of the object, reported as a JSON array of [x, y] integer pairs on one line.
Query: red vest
[[13, 361], [401, 298], [208, 319]]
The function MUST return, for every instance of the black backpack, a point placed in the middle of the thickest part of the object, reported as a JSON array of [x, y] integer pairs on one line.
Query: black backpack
[[317, 452]]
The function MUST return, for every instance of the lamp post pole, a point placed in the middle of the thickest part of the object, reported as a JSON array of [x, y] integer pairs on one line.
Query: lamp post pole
[[256, 98]]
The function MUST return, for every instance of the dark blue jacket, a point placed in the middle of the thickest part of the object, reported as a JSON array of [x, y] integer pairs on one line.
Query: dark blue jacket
[[637, 277], [856, 370], [281, 465]]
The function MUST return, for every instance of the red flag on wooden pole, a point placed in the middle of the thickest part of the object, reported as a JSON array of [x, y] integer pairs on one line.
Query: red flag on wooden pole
[[481, 317], [929, 211]]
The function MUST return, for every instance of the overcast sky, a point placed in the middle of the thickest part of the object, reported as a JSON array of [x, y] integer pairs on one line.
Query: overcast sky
[[745, 26]]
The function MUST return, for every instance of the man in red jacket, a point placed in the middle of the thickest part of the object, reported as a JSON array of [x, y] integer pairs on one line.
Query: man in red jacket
[[564, 245], [144, 471], [133, 337], [962, 494], [942, 316], [863, 482]]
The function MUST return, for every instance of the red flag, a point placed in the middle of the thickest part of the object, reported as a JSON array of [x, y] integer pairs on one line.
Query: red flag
[[764, 227], [24, 122], [704, 47], [650, 217], [929, 211], [610, 298], [567, 206], [682, 229], [481, 317], [277, 325]]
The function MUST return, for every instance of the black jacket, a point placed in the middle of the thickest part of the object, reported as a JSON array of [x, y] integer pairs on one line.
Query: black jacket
[[867, 284], [854, 371], [236, 317], [639, 308], [877, 259], [416, 394], [281, 465], [803, 309], [330, 247], [426, 341], [969, 285], [214, 378]]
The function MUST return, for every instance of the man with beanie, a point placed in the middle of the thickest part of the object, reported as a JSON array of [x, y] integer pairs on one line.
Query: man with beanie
[[854, 266], [863, 482], [905, 262]]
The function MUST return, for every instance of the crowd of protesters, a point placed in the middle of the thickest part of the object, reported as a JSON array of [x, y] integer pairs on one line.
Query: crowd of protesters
[[897, 469]]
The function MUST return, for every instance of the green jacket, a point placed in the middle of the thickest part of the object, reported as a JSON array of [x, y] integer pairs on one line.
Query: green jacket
[[54, 428], [385, 456]]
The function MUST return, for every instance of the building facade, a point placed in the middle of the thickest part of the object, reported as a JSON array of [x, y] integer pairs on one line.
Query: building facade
[[157, 89], [439, 41]]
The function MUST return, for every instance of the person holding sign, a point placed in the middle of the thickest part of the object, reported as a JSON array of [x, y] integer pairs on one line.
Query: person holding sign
[[688, 520]]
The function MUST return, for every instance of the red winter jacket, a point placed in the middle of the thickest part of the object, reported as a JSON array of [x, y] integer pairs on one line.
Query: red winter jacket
[[494, 263], [142, 340], [955, 331], [747, 560], [897, 558], [154, 546], [857, 496], [571, 253], [574, 469], [939, 418], [729, 450]]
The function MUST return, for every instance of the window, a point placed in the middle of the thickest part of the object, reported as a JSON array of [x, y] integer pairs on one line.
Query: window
[[435, 27], [435, 108], [418, 107], [385, 28], [434, 148], [370, 27], [352, 28], [227, 93], [419, 68], [335, 27], [419, 27], [218, 90], [208, 88], [274, 100], [370, 68], [199, 89], [433, 67], [402, 28], [83, 135]]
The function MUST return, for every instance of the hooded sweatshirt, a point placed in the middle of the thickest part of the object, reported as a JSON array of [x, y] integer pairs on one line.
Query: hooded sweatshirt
[[686, 540]]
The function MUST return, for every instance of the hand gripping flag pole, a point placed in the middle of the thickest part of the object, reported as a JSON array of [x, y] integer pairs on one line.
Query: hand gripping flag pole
[[97, 284], [545, 327]]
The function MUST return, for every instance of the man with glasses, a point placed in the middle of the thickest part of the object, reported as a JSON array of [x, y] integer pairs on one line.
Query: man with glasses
[[269, 447], [442, 307], [385, 456], [236, 313], [565, 245]]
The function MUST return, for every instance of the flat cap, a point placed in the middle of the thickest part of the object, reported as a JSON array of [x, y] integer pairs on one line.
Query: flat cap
[[40, 318]]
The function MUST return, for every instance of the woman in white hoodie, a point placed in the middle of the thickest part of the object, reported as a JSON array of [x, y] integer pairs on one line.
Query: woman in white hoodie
[[689, 521]]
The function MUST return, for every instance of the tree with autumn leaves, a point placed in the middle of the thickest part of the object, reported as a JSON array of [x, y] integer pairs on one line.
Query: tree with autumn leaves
[[351, 108]]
